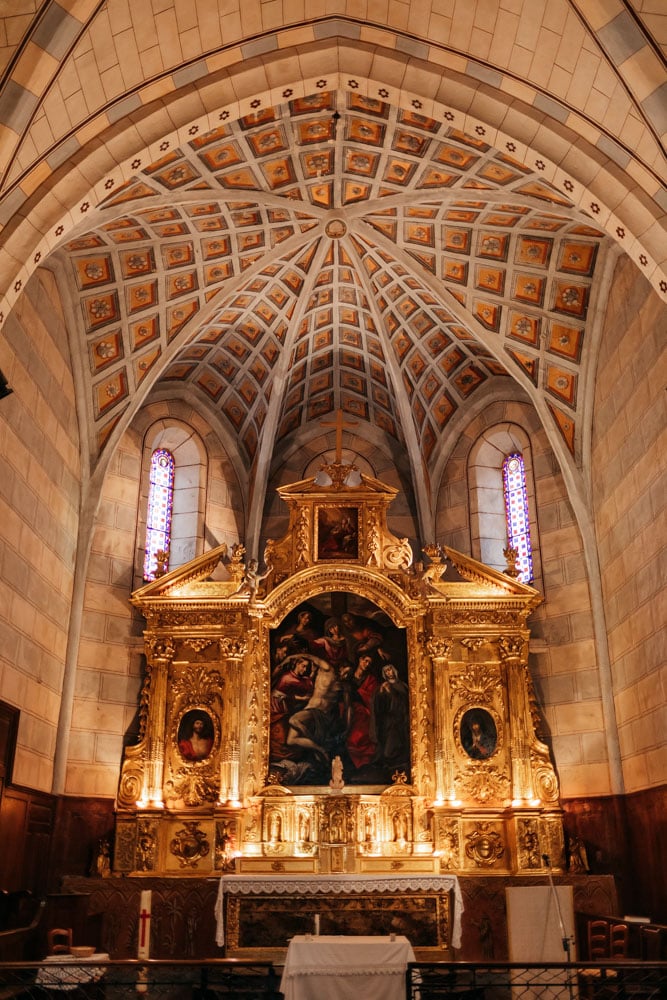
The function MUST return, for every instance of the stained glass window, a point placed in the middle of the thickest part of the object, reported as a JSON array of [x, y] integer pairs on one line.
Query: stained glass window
[[160, 505], [516, 514]]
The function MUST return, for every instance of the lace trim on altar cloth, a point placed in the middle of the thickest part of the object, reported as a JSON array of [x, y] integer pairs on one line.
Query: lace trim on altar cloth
[[357, 970], [311, 885]]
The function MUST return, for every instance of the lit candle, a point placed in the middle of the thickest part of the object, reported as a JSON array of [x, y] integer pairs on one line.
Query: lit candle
[[144, 948], [317, 924]]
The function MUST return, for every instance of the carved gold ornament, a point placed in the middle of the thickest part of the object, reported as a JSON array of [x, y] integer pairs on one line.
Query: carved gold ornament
[[208, 765], [190, 845], [484, 846]]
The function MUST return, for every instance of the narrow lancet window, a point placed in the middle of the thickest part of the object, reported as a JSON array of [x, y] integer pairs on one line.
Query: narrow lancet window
[[516, 514], [160, 506]]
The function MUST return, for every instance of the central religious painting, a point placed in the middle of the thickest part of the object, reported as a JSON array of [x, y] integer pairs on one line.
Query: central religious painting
[[339, 688]]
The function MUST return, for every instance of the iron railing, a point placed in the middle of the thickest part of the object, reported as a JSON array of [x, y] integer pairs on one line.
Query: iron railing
[[135, 980], [244, 979], [626, 980]]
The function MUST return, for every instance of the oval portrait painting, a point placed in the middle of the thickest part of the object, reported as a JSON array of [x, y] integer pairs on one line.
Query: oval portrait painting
[[195, 735], [479, 736]]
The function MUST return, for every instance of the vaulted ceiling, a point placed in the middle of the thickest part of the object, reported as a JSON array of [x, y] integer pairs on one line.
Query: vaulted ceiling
[[306, 259], [343, 247]]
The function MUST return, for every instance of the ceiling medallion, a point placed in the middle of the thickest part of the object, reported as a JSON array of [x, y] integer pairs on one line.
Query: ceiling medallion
[[335, 229]]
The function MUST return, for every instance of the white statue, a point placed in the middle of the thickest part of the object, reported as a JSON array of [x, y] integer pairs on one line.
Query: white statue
[[336, 784]]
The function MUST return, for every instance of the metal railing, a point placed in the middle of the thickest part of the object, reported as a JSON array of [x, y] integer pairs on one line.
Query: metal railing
[[135, 980], [626, 980], [244, 979]]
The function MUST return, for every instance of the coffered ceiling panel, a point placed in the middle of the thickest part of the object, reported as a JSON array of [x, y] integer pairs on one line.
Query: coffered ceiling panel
[[334, 252]]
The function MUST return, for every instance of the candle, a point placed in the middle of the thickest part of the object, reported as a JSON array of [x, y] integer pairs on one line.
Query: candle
[[144, 947], [317, 924]]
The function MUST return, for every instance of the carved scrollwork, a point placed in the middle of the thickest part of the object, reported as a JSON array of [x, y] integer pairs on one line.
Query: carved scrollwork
[[399, 556], [303, 534], [146, 847], [511, 647], [199, 683], [484, 845], [373, 540], [131, 783], [437, 648], [448, 839], [194, 786], [190, 845], [546, 784], [160, 648], [484, 783], [232, 649], [529, 844], [225, 844], [125, 847], [473, 643], [199, 645], [477, 682]]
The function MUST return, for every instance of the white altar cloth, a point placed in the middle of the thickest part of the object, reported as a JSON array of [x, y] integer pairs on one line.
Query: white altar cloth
[[346, 968], [308, 884], [65, 972]]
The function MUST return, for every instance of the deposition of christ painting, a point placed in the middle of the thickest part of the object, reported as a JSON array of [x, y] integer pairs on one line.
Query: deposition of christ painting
[[338, 689]]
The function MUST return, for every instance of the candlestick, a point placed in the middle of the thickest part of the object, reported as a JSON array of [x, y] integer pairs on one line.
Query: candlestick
[[144, 945], [317, 925]]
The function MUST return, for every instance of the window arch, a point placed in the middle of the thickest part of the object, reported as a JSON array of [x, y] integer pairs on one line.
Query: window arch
[[178, 529], [517, 518], [159, 509], [486, 486]]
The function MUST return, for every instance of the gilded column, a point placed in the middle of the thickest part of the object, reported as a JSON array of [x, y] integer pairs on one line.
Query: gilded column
[[232, 652], [159, 655], [444, 771], [513, 652]]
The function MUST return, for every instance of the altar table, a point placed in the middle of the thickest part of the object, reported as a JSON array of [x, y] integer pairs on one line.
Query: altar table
[[385, 889], [346, 968]]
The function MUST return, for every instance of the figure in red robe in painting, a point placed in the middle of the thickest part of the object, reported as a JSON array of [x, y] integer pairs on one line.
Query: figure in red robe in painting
[[197, 745], [332, 646], [361, 686], [291, 692]]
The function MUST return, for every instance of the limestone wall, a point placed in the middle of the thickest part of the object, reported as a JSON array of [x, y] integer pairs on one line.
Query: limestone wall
[[629, 484], [110, 663], [39, 501], [563, 658]]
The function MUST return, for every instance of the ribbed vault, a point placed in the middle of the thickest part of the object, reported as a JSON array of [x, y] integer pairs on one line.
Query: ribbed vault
[[334, 252]]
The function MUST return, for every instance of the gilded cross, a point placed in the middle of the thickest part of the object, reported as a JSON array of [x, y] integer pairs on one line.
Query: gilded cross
[[340, 424]]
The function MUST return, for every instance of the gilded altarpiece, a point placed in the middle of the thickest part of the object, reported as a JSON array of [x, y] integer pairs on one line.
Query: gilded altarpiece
[[395, 730]]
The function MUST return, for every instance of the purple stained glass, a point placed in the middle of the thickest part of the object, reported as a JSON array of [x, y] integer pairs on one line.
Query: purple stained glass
[[160, 504], [516, 514]]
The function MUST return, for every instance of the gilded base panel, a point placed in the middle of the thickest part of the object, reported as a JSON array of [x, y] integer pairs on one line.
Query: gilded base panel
[[268, 922]]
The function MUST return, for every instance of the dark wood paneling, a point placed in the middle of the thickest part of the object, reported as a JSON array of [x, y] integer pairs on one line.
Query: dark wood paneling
[[80, 824], [13, 815], [625, 836], [646, 857]]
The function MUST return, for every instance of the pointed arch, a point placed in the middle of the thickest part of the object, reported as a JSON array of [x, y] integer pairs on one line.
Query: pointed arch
[[486, 486]]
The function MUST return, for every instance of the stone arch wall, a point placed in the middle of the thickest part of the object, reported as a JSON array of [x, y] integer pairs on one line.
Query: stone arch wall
[[110, 661], [563, 658], [189, 504], [488, 523]]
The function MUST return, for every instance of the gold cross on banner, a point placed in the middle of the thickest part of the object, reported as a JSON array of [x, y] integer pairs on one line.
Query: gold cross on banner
[[339, 423]]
